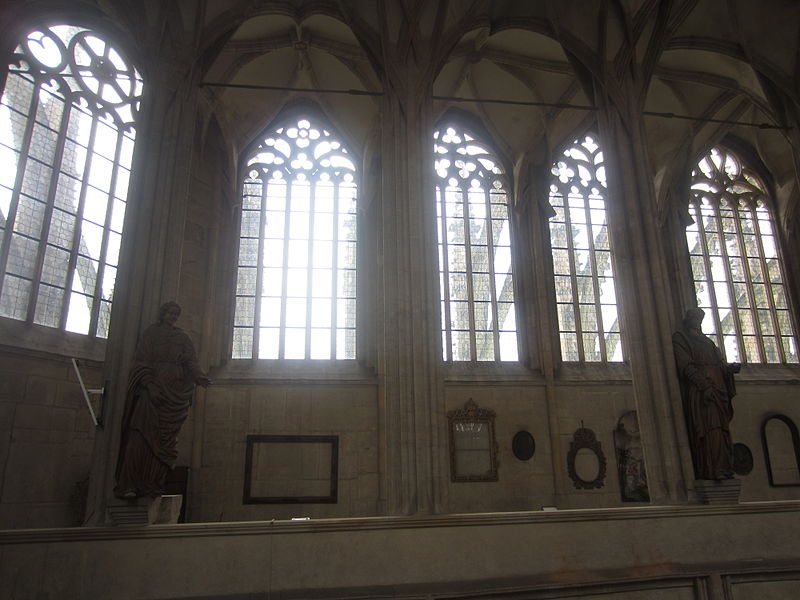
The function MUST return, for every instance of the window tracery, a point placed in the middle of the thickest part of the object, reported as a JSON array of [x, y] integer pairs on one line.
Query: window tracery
[[736, 266], [474, 234], [588, 322], [296, 274], [67, 131]]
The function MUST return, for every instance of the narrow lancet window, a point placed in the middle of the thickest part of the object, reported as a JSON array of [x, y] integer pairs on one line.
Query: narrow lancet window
[[67, 129], [736, 265], [588, 322], [296, 284], [475, 274]]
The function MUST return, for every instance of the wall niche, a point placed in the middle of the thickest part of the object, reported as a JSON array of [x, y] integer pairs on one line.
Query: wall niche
[[781, 450]]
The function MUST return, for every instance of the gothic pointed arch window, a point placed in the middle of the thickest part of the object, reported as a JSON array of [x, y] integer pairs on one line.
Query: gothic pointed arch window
[[736, 263], [588, 321], [474, 234], [296, 273], [67, 128]]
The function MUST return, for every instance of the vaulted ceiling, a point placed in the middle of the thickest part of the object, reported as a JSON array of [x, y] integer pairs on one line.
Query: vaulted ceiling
[[701, 59], [713, 64]]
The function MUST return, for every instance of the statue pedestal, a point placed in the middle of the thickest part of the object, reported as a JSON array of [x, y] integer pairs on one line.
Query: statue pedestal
[[165, 509], [725, 491], [146, 511]]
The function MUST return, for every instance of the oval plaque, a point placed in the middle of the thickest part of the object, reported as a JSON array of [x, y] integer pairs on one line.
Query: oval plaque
[[523, 445]]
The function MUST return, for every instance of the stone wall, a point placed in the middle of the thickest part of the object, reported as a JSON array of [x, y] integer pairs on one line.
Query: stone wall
[[752, 405], [231, 412], [521, 485], [216, 432], [46, 439]]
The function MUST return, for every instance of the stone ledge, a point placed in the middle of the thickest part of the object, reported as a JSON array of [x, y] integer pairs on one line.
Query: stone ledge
[[311, 372], [237, 528], [449, 556]]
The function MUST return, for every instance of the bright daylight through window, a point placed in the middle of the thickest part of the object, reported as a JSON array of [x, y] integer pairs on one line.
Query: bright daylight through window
[[737, 270], [585, 294], [475, 276], [66, 143], [296, 276]]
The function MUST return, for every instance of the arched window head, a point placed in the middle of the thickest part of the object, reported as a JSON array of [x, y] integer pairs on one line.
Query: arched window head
[[475, 274], [737, 270], [296, 282], [67, 118], [588, 323]]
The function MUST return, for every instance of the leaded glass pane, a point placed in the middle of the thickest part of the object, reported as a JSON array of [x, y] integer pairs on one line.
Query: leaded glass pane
[[104, 319], [242, 343], [56, 267], [569, 346], [14, 297], [345, 343], [49, 306], [22, 256], [78, 313]]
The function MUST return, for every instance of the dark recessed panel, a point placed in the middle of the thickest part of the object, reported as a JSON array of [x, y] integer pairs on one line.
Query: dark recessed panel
[[523, 445], [742, 459]]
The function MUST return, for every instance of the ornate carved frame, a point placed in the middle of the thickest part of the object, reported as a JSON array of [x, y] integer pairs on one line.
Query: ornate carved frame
[[585, 438], [472, 413]]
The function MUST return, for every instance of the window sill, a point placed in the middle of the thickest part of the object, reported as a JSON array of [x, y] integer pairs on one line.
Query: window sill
[[506, 373], [38, 338], [778, 374], [590, 372], [292, 371]]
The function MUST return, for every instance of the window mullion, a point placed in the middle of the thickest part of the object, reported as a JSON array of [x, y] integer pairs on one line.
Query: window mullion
[[748, 277], [22, 164], [712, 296], [48, 213], [309, 270], [726, 262], [492, 291], [444, 273], [335, 300], [101, 263], [773, 314], [77, 236], [285, 268], [473, 348], [259, 291], [601, 340], [573, 275]]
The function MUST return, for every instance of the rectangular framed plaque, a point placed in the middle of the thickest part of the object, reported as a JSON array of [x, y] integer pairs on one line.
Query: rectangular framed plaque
[[291, 469]]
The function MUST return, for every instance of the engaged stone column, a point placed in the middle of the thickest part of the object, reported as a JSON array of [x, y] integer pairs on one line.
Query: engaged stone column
[[643, 286], [412, 394], [150, 255]]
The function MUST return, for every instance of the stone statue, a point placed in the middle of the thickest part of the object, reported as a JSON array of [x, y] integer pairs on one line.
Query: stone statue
[[707, 388], [160, 391], [630, 459]]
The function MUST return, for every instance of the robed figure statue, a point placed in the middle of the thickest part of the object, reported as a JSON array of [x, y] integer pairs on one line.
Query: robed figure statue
[[160, 391], [707, 389]]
